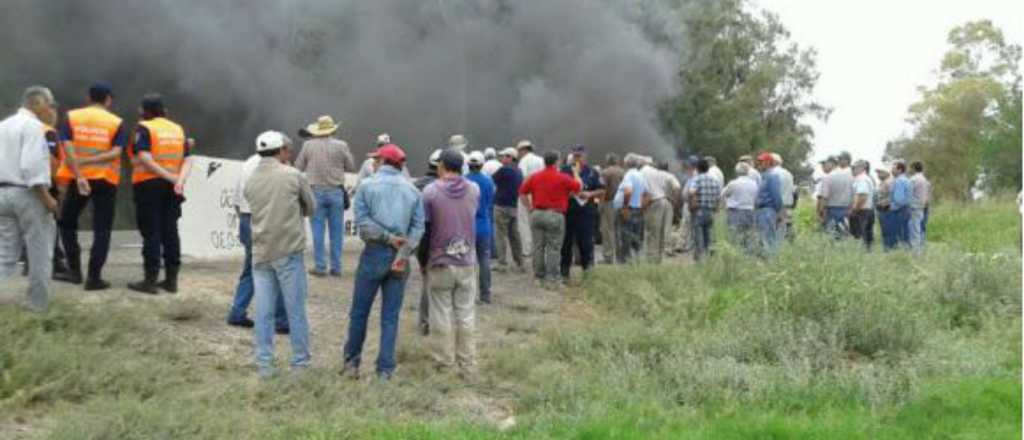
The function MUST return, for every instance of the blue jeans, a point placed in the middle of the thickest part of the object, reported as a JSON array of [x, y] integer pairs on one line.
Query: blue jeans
[[915, 229], [373, 274], [244, 290], [483, 259], [767, 219], [835, 221], [901, 225], [888, 233], [741, 228], [283, 277], [330, 212], [703, 220]]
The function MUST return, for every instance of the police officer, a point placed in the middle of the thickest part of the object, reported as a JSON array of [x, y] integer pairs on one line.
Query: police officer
[[93, 139], [160, 165], [581, 217]]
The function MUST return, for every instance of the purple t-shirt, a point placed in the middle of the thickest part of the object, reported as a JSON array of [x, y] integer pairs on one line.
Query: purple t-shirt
[[450, 206]]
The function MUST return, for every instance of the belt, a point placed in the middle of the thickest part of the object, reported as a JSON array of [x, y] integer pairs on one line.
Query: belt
[[12, 185]]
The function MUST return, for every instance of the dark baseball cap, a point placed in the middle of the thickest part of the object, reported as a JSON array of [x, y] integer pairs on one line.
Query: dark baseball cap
[[579, 149], [452, 160], [99, 91], [153, 102]]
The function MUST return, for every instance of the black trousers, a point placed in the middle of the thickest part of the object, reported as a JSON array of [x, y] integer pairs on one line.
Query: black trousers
[[157, 210], [102, 197], [862, 226], [579, 233]]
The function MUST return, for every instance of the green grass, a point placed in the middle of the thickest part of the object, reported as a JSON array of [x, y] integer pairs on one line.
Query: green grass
[[822, 342]]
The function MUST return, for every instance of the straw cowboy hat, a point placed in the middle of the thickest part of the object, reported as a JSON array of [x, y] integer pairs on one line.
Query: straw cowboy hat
[[324, 126]]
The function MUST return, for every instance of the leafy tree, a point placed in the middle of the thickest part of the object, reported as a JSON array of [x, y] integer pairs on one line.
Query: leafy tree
[[968, 126], [744, 86]]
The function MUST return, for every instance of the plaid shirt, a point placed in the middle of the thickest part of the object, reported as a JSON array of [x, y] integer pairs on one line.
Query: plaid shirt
[[708, 191]]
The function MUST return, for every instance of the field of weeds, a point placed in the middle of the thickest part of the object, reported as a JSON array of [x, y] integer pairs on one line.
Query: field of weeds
[[824, 341]]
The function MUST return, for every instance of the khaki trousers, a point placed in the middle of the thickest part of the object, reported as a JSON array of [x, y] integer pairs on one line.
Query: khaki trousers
[[525, 236], [453, 316], [609, 232], [655, 216]]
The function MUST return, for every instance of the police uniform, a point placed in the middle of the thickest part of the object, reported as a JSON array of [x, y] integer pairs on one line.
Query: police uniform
[[92, 131], [157, 207], [580, 222]]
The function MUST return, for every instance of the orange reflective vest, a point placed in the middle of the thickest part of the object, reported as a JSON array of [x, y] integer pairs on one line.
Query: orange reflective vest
[[166, 145], [55, 160], [92, 133]]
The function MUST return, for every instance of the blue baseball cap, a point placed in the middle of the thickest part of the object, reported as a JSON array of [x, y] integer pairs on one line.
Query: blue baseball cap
[[100, 90]]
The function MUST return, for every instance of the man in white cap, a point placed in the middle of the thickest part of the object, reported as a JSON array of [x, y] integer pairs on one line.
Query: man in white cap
[[484, 224], [372, 163], [529, 164], [280, 198], [491, 164], [325, 160]]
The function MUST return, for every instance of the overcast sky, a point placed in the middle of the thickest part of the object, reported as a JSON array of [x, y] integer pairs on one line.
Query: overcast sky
[[873, 54]]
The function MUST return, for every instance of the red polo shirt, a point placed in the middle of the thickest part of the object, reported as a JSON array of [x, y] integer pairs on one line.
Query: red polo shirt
[[550, 189]]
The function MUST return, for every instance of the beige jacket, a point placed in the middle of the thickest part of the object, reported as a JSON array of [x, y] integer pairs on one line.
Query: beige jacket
[[279, 197]]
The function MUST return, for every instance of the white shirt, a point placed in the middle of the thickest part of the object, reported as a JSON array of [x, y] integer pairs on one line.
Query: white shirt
[[659, 183], [741, 193], [863, 185], [530, 164], [24, 152], [786, 186], [490, 167], [716, 173], [754, 174], [247, 168]]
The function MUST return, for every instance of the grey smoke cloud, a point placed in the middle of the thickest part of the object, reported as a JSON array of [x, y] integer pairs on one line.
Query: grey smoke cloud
[[559, 72]]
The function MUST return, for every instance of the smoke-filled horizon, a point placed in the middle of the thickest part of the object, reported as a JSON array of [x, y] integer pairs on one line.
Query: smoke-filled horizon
[[557, 72]]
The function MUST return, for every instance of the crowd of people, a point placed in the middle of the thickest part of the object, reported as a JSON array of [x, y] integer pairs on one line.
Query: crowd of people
[[471, 207]]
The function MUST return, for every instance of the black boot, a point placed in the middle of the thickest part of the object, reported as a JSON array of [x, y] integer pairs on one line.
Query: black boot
[[73, 273], [148, 285], [170, 282]]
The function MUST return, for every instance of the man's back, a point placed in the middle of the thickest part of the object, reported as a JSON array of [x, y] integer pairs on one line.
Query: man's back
[[786, 186], [837, 189], [486, 203], [612, 176], [451, 205], [386, 203], [507, 181], [23, 166], [530, 164], [325, 161], [279, 197], [921, 191]]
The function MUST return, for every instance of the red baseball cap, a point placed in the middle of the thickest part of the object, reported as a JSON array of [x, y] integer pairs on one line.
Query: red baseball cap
[[765, 157], [391, 153]]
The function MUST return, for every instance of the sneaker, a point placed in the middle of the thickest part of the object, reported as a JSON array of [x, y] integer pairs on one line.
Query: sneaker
[[318, 273], [336, 273], [244, 323], [282, 330], [96, 284]]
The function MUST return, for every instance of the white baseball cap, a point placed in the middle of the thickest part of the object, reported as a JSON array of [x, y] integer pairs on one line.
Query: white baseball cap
[[490, 152], [383, 139], [510, 152], [524, 144], [270, 140], [476, 158], [435, 157], [457, 141]]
